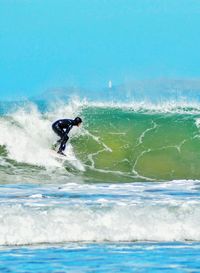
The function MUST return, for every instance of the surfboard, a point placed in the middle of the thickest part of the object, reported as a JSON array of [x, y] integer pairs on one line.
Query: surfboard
[[69, 159]]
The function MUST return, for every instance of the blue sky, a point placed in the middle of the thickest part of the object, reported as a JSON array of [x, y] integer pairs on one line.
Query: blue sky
[[47, 44]]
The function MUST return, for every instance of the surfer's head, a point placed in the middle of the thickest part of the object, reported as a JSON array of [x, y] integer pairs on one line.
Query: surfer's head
[[77, 121]]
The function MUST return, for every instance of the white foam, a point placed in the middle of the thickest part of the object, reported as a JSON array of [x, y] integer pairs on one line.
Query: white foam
[[28, 136], [36, 196], [20, 225], [88, 212], [197, 122], [168, 106]]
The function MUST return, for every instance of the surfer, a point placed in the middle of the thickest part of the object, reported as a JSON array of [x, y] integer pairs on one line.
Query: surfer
[[62, 127]]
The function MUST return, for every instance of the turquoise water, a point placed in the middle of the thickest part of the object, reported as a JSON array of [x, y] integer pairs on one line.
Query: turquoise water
[[121, 257], [126, 199]]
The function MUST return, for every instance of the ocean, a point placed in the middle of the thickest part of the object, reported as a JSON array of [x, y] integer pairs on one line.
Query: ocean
[[127, 199]]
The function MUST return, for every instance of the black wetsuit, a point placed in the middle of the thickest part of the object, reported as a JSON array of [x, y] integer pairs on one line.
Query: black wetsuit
[[62, 127]]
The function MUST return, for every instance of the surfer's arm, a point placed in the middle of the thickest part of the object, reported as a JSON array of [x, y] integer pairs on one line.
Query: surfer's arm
[[67, 130]]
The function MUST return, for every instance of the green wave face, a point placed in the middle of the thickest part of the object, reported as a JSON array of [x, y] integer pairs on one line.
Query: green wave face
[[123, 145]]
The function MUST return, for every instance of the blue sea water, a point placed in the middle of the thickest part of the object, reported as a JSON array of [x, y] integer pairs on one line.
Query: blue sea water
[[105, 257], [135, 227], [99, 211]]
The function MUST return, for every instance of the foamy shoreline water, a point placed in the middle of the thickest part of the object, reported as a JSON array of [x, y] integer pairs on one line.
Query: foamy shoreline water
[[32, 214]]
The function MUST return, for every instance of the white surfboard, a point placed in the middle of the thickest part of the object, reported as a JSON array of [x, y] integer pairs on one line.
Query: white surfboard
[[69, 158]]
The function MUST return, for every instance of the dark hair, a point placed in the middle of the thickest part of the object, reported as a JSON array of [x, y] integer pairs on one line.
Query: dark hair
[[77, 120]]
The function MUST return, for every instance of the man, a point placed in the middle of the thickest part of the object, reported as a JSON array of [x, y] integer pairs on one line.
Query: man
[[62, 127]]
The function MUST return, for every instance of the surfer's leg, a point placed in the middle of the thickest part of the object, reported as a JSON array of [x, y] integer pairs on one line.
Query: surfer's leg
[[60, 132], [63, 143]]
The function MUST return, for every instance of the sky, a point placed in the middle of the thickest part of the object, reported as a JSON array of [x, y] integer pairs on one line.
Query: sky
[[48, 44]]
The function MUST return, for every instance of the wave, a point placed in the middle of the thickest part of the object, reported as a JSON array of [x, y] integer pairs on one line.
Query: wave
[[118, 142], [25, 225]]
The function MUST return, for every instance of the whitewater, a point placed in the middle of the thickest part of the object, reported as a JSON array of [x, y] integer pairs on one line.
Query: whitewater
[[97, 213], [128, 189]]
